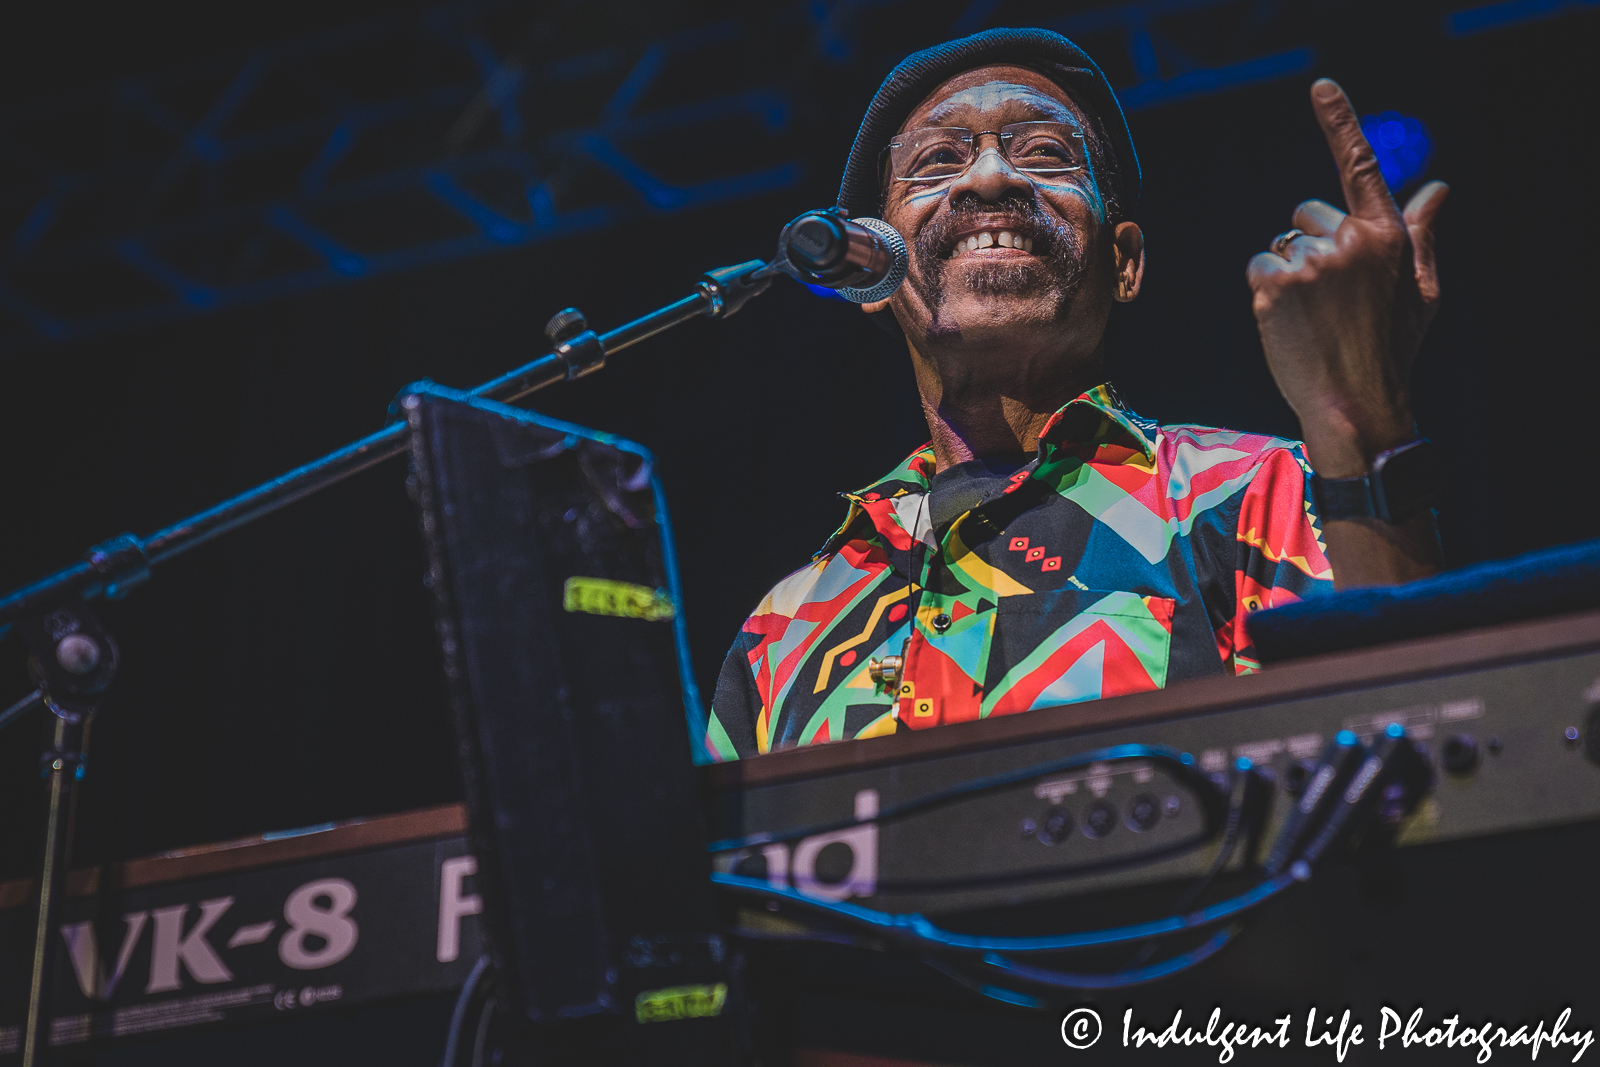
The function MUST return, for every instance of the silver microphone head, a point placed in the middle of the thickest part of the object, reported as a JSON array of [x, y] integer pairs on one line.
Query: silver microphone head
[[897, 269]]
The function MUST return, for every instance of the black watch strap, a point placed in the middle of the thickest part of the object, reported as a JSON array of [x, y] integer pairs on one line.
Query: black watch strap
[[1403, 481]]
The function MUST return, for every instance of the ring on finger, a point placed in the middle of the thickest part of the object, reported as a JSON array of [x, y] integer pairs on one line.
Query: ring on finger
[[1281, 242]]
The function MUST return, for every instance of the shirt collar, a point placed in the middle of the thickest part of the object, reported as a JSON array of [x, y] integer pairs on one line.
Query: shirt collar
[[1096, 417]]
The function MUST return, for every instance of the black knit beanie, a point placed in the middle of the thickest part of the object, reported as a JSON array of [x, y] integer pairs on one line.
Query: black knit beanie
[[1047, 52]]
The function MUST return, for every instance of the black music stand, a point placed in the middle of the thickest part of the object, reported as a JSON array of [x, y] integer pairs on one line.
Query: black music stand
[[552, 565]]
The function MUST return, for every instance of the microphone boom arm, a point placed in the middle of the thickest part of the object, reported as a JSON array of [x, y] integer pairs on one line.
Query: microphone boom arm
[[115, 567]]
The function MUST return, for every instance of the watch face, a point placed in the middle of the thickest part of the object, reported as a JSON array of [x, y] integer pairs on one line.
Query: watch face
[[1405, 480]]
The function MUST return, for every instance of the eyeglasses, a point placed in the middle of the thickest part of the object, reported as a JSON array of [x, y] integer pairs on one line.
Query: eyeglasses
[[942, 153]]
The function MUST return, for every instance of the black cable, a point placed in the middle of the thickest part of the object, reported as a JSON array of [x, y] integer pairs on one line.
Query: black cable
[[916, 930], [1027, 973], [1039, 874], [994, 992], [1181, 762], [1115, 979], [1230, 841], [458, 1018]]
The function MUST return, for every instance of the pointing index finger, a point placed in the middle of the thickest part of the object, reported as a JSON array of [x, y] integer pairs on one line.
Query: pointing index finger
[[1365, 193]]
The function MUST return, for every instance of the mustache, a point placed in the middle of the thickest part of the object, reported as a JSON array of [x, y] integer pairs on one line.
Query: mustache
[[1018, 214], [1057, 264]]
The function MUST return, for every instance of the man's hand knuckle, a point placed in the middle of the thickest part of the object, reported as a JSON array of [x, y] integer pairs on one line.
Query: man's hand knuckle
[[1385, 246], [1363, 162]]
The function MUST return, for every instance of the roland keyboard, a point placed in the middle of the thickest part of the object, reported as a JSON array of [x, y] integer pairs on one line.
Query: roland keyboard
[[1481, 905], [1509, 719]]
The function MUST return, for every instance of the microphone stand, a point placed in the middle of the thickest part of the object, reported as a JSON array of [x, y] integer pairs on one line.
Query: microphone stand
[[73, 660]]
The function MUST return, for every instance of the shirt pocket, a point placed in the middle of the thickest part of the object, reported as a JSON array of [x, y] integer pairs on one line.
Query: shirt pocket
[[1070, 645]]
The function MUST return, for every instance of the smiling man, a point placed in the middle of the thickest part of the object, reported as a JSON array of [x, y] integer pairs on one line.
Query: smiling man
[[1048, 545]]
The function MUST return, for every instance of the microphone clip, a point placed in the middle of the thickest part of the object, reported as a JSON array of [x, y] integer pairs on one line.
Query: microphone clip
[[727, 289]]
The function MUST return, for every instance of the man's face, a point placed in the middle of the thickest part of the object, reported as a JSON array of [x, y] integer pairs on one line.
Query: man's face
[[954, 288]]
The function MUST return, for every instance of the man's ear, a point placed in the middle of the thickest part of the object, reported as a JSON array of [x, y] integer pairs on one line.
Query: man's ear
[[876, 305], [1127, 249]]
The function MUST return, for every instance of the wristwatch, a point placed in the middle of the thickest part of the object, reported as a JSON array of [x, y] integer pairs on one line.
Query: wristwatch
[[1402, 482]]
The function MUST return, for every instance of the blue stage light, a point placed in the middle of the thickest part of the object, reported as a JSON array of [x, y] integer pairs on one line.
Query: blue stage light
[[1401, 143]]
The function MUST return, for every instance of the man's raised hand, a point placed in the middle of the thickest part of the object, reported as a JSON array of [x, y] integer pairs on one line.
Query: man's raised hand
[[1342, 306]]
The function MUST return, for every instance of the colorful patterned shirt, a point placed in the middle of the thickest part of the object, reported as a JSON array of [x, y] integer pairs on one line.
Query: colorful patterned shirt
[[1122, 557]]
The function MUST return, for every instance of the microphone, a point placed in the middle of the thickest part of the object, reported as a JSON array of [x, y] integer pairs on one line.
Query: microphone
[[861, 259]]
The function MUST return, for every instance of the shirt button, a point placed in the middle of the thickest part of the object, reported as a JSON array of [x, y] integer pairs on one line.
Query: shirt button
[[941, 622]]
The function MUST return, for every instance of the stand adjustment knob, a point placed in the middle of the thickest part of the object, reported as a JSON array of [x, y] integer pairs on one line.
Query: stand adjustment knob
[[564, 326], [78, 654]]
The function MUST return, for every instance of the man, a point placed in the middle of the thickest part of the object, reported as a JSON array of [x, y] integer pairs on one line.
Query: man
[[1048, 545]]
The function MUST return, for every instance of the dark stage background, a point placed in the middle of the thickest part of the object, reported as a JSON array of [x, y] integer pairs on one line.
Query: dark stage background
[[285, 675]]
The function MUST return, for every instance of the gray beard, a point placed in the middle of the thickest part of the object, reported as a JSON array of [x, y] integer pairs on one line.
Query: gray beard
[[1023, 279], [1059, 280]]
